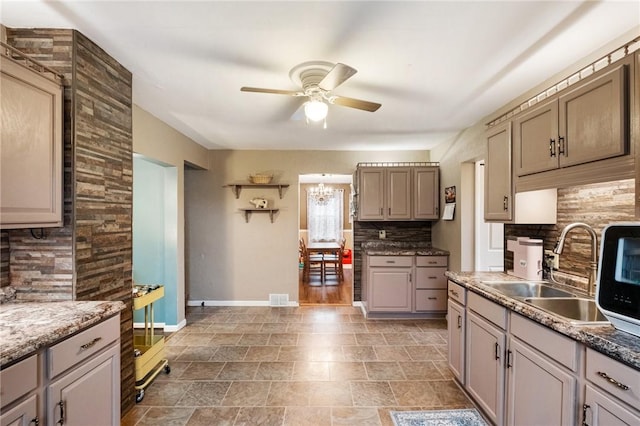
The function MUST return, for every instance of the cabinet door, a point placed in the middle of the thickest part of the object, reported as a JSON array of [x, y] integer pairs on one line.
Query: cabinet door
[[23, 414], [390, 289], [536, 139], [498, 202], [484, 372], [603, 410], [31, 140], [398, 193], [89, 394], [456, 332], [535, 382], [593, 119], [426, 201], [371, 187]]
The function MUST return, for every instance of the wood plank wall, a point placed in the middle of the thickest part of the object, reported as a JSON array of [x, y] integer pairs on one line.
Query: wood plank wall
[[93, 251]]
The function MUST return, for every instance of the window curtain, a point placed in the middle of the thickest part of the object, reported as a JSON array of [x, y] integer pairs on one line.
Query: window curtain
[[325, 221]]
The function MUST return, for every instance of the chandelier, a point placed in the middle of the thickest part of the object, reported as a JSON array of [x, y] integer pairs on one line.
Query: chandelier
[[321, 195]]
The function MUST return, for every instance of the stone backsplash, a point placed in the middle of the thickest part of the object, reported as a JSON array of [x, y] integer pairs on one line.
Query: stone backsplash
[[596, 205]]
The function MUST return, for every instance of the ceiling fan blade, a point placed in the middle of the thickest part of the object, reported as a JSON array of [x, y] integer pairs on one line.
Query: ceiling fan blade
[[274, 91], [336, 76], [355, 103]]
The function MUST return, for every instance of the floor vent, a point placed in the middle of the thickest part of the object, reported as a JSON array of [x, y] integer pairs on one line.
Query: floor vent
[[278, 299]]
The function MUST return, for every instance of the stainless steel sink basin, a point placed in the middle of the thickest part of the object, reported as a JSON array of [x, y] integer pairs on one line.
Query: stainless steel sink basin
[[523, 289], [576, 309]]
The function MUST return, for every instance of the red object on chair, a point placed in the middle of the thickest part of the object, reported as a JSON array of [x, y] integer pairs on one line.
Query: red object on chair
[[346, 257]]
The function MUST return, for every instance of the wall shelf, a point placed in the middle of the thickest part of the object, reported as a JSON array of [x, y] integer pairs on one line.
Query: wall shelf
[[237, 187], [247, 213]]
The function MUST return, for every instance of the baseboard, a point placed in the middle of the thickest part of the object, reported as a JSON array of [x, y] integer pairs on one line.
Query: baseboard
[[237, 303], [156, 325]]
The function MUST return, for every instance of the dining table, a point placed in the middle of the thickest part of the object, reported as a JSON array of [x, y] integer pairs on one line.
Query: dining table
[[324, 248]]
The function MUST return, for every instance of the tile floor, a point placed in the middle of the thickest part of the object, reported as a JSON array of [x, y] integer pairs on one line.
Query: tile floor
[[298, 366]]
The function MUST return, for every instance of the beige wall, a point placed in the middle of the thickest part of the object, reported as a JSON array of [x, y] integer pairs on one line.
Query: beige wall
[[230, 260], [157, 141]]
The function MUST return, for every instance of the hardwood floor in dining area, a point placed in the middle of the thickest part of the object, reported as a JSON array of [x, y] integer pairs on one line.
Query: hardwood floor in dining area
[[330, 292]]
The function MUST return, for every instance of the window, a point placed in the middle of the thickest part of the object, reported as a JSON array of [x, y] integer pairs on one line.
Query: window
[[325, 219]]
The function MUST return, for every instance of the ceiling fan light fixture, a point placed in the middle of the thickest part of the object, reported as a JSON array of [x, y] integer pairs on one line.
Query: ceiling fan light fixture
[[316, 110]]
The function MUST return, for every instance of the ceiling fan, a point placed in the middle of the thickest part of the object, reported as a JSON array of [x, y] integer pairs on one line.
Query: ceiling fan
[[317, 79]]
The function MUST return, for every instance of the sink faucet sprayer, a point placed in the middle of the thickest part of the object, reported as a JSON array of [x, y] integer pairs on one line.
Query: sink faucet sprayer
[[594, 251]]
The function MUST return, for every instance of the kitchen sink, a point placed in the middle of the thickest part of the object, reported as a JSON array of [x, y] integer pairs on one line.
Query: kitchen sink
[[576, 309], [524, 289]]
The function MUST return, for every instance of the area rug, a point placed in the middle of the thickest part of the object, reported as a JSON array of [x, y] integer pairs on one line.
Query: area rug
[[467, 417]]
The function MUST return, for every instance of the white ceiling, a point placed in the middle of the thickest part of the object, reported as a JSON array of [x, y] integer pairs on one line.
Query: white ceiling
[[435, 66]]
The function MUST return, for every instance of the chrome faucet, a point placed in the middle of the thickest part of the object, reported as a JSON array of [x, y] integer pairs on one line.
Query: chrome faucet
[[594, 251]]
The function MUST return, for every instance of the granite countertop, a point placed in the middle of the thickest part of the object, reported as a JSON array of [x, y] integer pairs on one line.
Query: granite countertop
[[401, 248], [26, 327], [606, 339]]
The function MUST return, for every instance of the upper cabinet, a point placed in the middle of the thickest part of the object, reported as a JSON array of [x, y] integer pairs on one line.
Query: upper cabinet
[[498, 200], [31, 139], [588, 123], [397, 192]]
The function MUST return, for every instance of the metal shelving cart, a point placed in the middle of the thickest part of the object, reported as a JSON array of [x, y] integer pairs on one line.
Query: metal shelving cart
[[149, 348]]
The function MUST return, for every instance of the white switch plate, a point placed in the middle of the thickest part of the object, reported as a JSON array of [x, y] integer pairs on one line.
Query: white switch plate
[[382, 234], [549, 254]]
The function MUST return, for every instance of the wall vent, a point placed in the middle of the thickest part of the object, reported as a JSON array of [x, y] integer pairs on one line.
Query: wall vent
[[278, 299]]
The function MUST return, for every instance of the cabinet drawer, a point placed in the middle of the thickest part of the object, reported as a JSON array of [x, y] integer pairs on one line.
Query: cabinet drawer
[[83, 345], [612, 376], [431, 300], [391, 261], [18, 380], [431, 278], [489, 310], [457, 293], [432, 261], [556, 346]]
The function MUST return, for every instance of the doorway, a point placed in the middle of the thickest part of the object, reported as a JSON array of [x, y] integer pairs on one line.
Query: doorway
[[318, 224], [482, 242]]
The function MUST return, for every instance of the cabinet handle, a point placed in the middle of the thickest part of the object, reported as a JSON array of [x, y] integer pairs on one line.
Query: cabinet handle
[[552, 147], [509, 354], [459, 321], [505, 203], [432, 298], [61, 405], [613, 381], [391, 261], [584, 414], [91, 343], [455, 293], [497, 351], [561, 147], [35, 421], [433, 278]]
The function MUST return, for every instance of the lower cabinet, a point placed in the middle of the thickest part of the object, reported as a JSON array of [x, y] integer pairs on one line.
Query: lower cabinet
[[23, 414], [404, 284], [79, 378], [612, 392], [456, 330], [601, 409], [86, 395], [534, 381], [390, 289], [485, 373]]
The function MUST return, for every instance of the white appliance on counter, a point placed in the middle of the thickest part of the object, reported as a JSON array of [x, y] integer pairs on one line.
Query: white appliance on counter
[[618, 287], [527, 257]]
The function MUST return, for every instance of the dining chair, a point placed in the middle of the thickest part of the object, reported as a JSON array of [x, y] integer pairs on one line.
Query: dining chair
[[312, 263], [333, 262]]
